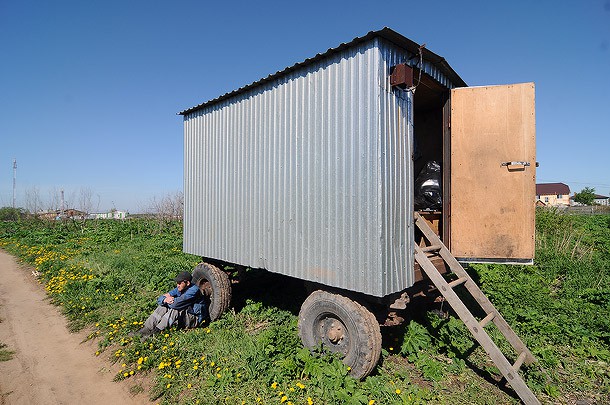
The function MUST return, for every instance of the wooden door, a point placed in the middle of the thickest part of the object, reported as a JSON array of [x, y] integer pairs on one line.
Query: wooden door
[[492, 173]]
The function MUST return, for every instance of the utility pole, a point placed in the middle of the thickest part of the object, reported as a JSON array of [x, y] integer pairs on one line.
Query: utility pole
[[14, 180], [62, 203]]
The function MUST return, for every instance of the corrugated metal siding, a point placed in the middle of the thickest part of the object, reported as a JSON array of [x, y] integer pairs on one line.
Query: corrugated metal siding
[[308, 175]]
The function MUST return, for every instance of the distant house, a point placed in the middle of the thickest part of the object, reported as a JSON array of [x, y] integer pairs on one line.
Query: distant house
[[552, 194], [112, 214], [57, 214], [601, 200]]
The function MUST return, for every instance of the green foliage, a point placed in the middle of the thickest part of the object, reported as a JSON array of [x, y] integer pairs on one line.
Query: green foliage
[[105, 275], [416, 338], [586, 196], [452, 336], [12, 214], [556, 304]]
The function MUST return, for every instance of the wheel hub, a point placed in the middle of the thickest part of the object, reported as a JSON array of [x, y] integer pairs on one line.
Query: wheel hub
[[335, 331]]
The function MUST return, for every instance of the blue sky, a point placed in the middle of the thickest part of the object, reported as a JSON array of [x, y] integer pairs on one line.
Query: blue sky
[[89, 91]]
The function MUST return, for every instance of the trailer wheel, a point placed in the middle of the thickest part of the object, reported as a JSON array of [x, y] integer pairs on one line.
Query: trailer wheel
[[343, 326], [216, 288]]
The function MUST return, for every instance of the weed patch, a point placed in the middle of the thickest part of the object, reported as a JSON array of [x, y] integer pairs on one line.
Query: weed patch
[[5, 354], [105, 276]]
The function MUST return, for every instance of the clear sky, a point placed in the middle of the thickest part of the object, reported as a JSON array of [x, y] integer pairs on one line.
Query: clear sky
[[89, 90]]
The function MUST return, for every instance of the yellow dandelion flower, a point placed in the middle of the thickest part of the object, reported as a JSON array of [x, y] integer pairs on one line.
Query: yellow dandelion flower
[[274, 385], [397, 391], [300, 385], [309, 401], [284, 399], [371, 402]]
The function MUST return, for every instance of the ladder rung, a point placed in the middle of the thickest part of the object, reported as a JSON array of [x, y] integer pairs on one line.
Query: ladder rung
[[432, 248], [457, 282], [519, 361], [490, 316]]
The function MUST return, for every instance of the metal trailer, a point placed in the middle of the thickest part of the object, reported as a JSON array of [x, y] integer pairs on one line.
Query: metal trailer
[[310, 172]]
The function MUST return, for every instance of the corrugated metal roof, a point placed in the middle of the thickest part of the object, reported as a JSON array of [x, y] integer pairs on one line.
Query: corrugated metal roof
[[386, 33]]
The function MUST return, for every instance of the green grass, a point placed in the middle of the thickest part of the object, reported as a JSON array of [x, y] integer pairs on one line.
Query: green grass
[[105, 275], [5, 354]]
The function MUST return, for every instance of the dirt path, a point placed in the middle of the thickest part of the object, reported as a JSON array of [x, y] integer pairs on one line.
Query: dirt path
[[50, 364]]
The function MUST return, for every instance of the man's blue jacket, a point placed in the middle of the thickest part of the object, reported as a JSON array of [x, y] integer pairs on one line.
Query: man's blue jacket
[[192, 300]]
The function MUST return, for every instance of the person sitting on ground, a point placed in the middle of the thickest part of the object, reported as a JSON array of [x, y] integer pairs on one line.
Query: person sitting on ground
[[183, 305]]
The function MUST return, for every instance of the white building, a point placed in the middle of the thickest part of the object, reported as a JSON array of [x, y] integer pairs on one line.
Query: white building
[[112, 214], [601, 200]]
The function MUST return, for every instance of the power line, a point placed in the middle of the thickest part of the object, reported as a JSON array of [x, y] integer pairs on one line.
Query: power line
[[574, 182]]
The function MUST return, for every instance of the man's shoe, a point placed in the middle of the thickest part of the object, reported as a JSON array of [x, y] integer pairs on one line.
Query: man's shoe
[[146, 334], [133, 333]]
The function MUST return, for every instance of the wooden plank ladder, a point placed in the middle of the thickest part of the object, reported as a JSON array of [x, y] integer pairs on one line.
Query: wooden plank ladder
[[476, 327]]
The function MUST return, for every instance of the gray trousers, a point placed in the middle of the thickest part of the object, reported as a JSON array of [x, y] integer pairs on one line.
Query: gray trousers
[[164, 317]]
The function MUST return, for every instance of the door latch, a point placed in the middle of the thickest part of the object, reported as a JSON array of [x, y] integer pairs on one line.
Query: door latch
[[515, 164]]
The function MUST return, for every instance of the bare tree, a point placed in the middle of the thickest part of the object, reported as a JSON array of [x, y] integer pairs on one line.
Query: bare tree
[[168, 207], [54, 201], [33, 202], [85, 200]]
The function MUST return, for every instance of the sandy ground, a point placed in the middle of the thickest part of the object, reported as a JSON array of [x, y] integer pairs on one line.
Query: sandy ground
[[50, 364]]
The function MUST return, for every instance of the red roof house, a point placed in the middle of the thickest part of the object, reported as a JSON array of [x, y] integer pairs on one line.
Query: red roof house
[[553, 194]]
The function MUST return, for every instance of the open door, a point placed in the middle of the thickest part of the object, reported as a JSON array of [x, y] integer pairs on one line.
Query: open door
[[492, 173]]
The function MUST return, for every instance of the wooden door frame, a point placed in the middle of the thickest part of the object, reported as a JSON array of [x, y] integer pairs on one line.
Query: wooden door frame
[[446, 221]]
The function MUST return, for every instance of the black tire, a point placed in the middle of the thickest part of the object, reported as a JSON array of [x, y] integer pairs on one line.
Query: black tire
[[215, 286], [343, 326]]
